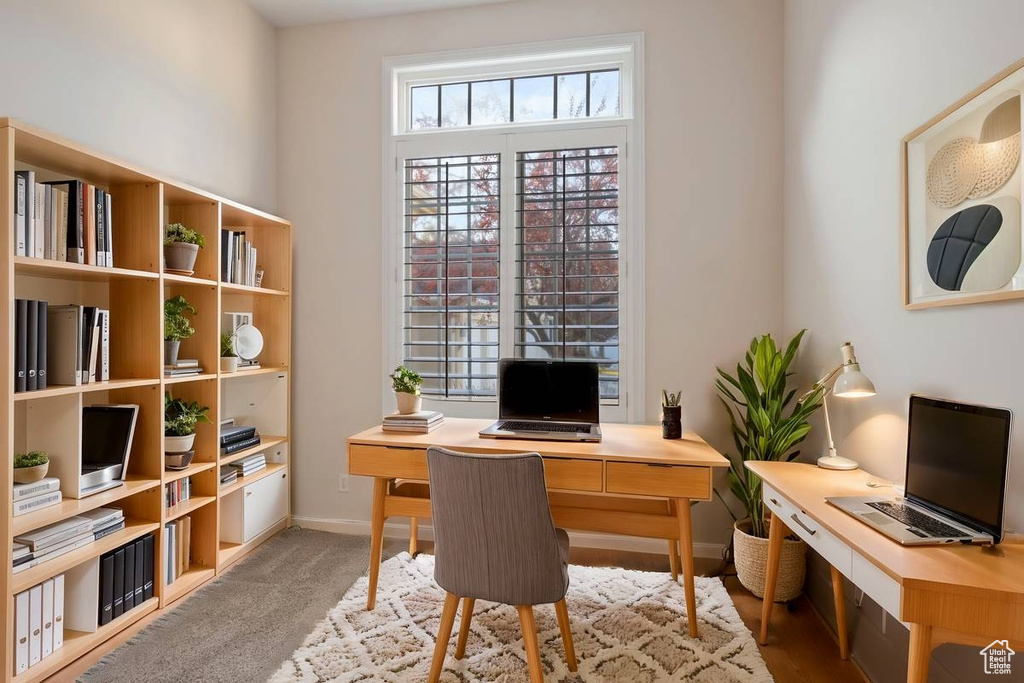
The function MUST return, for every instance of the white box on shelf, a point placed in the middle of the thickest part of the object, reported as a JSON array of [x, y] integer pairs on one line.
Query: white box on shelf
[[35, 625], [81, 602], [21, 621], [58, 612], [255, 508], [47, 618]]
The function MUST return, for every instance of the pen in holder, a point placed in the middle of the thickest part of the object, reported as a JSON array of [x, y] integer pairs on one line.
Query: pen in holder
[[671, 415]]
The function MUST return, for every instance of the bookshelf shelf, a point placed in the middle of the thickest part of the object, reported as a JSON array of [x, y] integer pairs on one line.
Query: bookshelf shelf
[[266, 443], [142, 203], [242, 482], [30, 577], [69, 507]]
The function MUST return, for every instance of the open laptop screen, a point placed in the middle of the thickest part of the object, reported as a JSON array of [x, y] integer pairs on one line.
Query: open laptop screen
[[548, 390], [956, 460], [106, 435]]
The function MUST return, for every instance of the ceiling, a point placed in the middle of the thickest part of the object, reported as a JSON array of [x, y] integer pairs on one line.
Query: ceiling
[[299, 12]]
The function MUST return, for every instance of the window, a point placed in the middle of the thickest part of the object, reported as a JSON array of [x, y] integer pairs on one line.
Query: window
[[513, 224]]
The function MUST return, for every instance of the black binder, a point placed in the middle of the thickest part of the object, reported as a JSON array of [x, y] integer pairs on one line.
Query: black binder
[[31, 344], [118, 583], [42, 315], [20, 343], [129, 576], [106, 588], [147, 570], [140, 570]]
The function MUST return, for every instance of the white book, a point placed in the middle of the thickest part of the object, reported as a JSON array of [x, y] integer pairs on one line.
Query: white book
[[20, 550], [62, 224], [39, 240], [46, 485], [20, 215], [56, 549], [109, 230], [35, 625], [58, 612], [101, 517], [54, 554], [54, 534], [64, 345], [47, 220], [30, 212], [105, 343], [21, 619], [33, 503], [53, 222], [47, 618], [94, 350]]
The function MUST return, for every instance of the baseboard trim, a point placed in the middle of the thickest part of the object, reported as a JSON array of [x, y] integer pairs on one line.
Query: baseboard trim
[[581, 539]]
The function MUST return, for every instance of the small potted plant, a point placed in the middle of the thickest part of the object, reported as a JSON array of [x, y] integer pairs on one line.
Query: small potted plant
[[181, 246], [30, 467], [228, 357], [176, 326], [671, 415], [406, 385], [180, 420]]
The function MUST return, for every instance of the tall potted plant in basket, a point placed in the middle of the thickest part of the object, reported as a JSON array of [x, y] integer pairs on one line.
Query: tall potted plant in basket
[[766, 425]]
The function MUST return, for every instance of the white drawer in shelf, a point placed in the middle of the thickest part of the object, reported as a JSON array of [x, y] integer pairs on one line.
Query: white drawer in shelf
[[835, 552], [251, 510], [878, 585]]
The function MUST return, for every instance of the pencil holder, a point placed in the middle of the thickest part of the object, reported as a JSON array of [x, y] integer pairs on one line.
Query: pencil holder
[[671, 422]]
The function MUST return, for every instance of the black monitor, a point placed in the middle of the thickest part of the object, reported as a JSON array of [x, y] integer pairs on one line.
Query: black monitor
[[559, 391], [957, 455]]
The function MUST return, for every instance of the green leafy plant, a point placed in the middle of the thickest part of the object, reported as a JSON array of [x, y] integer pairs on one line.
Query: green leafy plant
[[176, 323], [405, 381], [766, 423], [181, 417], [670, 400], [30, 459], [227, 346], [177, 232]]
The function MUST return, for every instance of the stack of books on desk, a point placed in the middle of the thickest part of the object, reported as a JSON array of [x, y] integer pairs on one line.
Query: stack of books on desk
[[422, 422], [249, 465], [228, 475], [32, 497], [183, 367]]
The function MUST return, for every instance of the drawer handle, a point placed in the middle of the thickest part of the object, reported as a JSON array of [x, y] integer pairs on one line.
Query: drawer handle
[[802, 525], [774, 502], [657, 464]]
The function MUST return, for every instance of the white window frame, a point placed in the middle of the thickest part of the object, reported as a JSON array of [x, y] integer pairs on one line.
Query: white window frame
[[624, 52]]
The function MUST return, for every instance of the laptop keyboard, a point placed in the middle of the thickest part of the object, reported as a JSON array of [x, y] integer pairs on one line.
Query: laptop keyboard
[[916, 519], [535, 427]]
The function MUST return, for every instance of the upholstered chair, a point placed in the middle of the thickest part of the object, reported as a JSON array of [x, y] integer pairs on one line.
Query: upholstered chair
[[494, 540]]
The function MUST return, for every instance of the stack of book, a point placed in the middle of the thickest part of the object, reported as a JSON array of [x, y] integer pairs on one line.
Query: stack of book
[[234, 439], [177, 546], [126, 578], [105, 521], [53, 541], [78, 344], [38, 623], [30, 323], [32, 497], [238, 259], [177, 492], [422, 422], [183, 367], [66, 220], [249, 465], [228, 475], [244, 364]]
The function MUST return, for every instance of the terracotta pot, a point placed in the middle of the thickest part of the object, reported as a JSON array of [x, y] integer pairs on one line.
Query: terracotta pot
[[178, 444], [751, 557], [30, 475], [181, 257], [171, 352], [408, 403]]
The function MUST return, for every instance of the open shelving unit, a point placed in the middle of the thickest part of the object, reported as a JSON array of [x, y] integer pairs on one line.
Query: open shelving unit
[[134, 291]]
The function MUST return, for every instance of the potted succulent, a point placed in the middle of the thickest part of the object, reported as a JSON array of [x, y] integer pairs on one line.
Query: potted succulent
[[181, 246], [228, 357], [176, 326], [30, 467], [766, 425], [180, 420], [406, 385]]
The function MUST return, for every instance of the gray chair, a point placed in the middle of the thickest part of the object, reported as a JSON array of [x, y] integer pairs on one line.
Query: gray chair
[[494, 540]]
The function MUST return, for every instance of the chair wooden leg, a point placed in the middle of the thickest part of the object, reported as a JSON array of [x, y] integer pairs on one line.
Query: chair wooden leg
[[414, 540], [444, 634], [530, 643], [467, 617], [562, 612], [673, 559], [837, 595]]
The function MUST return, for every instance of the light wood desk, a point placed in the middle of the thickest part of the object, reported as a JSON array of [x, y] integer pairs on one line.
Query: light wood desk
[[633, 483], [945, 594]]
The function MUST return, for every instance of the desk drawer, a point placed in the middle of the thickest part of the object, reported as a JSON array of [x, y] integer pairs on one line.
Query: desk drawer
[[878, 585], [571, 474], [386, 461], [667, 481], [835, 552]]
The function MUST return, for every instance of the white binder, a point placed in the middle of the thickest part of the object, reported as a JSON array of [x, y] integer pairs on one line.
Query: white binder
[[35, 625], [58, 611], [20, 632], [47, 618]]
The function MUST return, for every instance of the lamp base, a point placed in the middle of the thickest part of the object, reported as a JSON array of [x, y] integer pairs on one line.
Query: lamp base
[[834, 462]]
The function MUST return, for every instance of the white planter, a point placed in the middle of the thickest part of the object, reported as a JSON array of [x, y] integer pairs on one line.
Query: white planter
[[408, 403], [178, 444], [228, 363], [30, 475]]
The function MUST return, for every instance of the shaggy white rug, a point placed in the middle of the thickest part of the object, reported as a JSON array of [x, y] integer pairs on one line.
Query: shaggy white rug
[[628, 626]]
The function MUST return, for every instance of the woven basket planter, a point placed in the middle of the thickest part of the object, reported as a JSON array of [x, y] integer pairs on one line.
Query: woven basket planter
[[751, 557]]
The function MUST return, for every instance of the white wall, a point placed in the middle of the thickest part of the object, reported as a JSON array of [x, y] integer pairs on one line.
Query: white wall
[[183, 87], [858, 77], [714, 151]]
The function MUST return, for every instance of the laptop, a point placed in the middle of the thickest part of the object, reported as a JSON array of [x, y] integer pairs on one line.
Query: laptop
[[107, 433], [957, 456], [547, 400]]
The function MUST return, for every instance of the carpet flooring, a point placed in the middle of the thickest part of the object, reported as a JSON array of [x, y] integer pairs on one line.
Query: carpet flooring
[[270, 599]]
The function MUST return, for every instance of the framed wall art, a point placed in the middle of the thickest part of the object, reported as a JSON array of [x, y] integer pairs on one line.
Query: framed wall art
[[961, 200]]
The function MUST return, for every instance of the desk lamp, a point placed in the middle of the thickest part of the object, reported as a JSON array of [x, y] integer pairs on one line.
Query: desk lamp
[[851, 383]]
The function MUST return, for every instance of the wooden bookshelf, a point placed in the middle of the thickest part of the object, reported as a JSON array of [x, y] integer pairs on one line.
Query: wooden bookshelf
[[134, 292]]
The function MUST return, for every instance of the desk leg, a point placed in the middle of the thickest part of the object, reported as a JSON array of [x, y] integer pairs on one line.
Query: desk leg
[[380, 489], [840, 601], [920, 653], [686, 554], [776, 533]]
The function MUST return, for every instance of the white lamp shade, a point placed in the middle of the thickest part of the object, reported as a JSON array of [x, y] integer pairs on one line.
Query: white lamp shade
[[852, 383]]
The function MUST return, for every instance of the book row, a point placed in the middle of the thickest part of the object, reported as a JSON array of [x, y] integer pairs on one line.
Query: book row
[[64, 220], [177, 547], [38, 623], [126, 578], [65, 345], [238, 260], [177, 492]]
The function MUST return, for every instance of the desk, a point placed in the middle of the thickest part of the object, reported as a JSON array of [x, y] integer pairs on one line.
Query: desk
[[633, 482], [945, 594]]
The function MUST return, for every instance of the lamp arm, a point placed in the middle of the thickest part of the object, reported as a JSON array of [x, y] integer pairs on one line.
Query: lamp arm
[[820, 384], [828, 425]]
